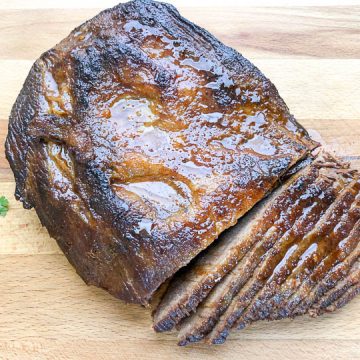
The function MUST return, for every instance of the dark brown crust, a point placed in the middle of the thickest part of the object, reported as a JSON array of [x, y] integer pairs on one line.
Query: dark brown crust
[[74, 157]]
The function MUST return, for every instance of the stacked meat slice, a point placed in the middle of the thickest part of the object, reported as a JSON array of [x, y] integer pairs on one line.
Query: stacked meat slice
[[296, 252]]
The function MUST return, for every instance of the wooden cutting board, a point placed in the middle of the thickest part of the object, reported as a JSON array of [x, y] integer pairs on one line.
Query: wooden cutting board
[[312, 54]]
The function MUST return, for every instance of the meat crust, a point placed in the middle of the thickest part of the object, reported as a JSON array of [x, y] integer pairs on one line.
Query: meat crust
[[139, 138]]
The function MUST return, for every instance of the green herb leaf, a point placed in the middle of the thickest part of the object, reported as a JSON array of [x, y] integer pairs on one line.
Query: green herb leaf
[[4, 205]]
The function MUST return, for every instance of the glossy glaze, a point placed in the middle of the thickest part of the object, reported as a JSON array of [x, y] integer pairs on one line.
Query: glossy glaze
[[172, 137], [161, 110]]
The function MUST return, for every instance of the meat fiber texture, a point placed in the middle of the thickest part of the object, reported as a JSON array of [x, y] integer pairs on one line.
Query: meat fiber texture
[[296, 252], [140, 138]]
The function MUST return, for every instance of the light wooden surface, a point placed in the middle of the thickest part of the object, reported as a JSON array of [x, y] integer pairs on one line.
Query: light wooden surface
[[312, 54]]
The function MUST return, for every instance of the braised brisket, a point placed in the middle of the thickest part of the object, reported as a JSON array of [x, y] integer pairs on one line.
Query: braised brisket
[[148, 148], [139, 138]]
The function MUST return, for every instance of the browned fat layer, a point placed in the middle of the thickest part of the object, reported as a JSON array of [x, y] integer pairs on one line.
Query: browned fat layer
[[309, 252], [200, 323], [335, 275], [334, 294], [246, 294], [190, 289], [341, 251]]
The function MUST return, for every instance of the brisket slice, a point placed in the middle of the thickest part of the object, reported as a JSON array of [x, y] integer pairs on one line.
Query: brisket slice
[[337, 273], [296, 294], [344, 289], [310, 247], [140, 138], [247, 305], [299, 265]]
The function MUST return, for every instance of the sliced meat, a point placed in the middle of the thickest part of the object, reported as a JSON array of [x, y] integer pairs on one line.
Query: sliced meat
[[187, 291], [343, 249], [276, 266], [336, 274], [343, 290], [299, 264], [220, 298], [140, 138], [306, 250]]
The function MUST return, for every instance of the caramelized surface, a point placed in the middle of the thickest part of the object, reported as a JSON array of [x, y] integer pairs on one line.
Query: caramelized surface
[[162, 135]]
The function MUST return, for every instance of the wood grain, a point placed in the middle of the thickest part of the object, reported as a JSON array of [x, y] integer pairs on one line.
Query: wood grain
[[21, 229], [94, 4], [312, 54], [289, 32], [51, 314], [146, 349], [66, 308]]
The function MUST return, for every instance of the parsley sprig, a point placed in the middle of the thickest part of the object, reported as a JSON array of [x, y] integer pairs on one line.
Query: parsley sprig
[[4, 205]]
